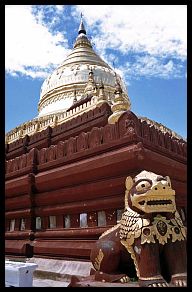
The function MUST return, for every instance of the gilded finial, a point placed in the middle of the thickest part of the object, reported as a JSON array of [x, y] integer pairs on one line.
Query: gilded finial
[[101, 85], [102, 97], [82, 39], [118, 88], [91, 72], [75, 97], [120, 103], [81, 26], [91, 87]]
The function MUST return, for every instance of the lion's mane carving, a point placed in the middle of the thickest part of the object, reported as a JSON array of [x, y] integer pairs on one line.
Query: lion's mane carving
[[149, 241]]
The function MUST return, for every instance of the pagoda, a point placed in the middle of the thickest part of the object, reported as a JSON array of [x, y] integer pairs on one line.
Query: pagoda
[[66, 168]]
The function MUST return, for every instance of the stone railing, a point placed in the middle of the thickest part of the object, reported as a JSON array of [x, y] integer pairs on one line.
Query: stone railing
[[62, 131], [41, 123]]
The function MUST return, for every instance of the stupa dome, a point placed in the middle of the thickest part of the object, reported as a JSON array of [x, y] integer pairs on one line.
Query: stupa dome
[[81, 83], [69, 79]]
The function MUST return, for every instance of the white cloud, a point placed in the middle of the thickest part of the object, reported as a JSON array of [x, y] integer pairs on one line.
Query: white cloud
[[159, 32], [156, 29], [48, 15], [155, 34], [151, 66], [30, 48], [60, 8]]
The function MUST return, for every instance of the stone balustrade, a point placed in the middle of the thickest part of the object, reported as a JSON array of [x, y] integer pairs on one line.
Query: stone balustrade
[[40, 124]]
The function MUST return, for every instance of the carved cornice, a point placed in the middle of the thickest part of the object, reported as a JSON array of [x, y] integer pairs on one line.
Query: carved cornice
[[100, 138], [161, 127]]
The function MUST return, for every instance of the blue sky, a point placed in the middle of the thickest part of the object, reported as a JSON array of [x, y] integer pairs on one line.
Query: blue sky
[[146, 44]]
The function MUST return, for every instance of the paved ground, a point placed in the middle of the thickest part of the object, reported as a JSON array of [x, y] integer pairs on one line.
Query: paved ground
[[100, 284], [51, 283], [38, 282], [58, 273]]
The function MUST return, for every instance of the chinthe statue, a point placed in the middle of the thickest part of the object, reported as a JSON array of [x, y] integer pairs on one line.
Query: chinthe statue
[[149, 241]]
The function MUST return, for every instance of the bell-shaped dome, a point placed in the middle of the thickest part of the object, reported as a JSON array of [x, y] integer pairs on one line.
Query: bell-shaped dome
[[57, 91], [81, 83]]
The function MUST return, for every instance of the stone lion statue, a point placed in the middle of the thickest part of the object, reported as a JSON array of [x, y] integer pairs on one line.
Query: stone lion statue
[[149, 241]]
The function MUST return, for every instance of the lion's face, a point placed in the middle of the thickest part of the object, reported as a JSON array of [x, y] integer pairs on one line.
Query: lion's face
[[150, 193]]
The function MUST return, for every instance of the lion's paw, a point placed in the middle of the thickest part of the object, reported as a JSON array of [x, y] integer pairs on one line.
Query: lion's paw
[[125, 279], [163, 284], [179, 281], [153, 282]]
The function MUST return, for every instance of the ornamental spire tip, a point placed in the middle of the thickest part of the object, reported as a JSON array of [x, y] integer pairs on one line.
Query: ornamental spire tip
[[81, 26]]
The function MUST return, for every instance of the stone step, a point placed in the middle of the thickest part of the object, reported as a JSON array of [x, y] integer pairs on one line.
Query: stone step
[[39, 282], [56, 268]]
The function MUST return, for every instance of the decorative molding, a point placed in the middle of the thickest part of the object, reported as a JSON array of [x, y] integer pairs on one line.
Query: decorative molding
[[160, 127], [92, 140]]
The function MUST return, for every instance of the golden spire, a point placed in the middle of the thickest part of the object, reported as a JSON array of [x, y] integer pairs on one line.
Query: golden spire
[[102, 97], [82, 39], [81, 26], [91, 87], [75, 97], [120, 104]]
